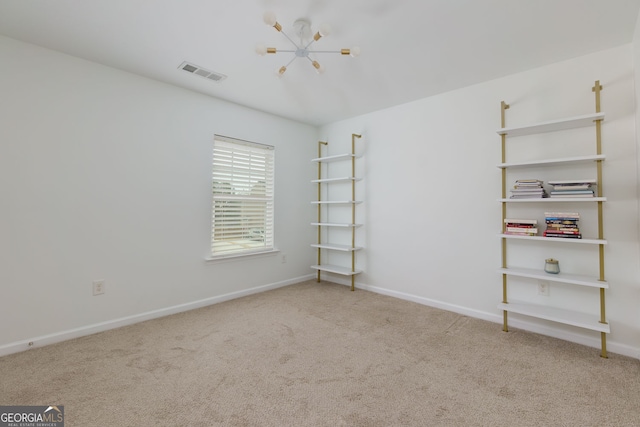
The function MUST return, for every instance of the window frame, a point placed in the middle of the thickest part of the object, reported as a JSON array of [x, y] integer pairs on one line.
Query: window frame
[[242, 166]]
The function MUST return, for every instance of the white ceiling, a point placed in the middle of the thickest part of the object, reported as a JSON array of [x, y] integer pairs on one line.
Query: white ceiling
[[411, 49]]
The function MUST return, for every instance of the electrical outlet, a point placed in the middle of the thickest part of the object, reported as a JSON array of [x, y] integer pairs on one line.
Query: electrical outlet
[[98, 287], [543, 288], [284, 258]]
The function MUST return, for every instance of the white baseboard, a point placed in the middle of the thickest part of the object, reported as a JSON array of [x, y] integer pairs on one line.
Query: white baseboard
[[57, 337], [594, 342]]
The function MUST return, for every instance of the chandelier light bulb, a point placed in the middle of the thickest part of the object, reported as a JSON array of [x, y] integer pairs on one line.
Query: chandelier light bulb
[[269, 18], [261, 49], [281, 71], [355, 51], [324, 30]]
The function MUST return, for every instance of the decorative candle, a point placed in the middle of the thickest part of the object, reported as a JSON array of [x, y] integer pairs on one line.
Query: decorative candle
[[551, 266]]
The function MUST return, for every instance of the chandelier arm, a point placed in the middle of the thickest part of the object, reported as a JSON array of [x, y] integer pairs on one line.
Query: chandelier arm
[[309, 44], [316, 65], [290, 39], [325, 51], [312, 61], [292, 59]]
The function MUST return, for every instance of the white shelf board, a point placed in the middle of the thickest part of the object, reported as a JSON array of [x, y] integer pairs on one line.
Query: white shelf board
[[555, 239], [335, 158], [581, 320], [553, 162], [336, 269], [335, 224], [555, 199], [552, 125], [336, 202], [334, 247], [575, 279], [340, 179]]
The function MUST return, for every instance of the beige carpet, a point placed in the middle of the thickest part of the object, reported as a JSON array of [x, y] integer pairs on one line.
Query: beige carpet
[[319, 355]]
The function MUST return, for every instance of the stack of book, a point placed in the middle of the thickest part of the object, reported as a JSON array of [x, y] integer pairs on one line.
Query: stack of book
[[573, 188], [562, 224], [528, 189], [521, 227]]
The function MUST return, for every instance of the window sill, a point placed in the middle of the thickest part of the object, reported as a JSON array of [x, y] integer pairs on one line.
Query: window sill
[[240, 257]]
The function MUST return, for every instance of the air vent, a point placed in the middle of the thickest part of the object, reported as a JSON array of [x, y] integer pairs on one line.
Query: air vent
[[194, 69]]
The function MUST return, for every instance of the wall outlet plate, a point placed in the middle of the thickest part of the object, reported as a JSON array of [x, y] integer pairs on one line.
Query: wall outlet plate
[[543, 288], [98, 287]]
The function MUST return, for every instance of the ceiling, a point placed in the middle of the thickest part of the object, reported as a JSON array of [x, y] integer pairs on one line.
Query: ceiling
[[411, 49]]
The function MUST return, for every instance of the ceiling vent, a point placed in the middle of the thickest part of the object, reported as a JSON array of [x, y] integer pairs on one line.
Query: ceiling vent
[[194, 69]]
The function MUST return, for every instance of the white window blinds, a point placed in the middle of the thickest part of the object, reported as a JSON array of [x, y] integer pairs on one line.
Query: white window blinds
[[243, 175]]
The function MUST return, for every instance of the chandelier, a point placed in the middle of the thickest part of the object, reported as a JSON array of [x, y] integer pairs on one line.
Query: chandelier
[[302, 29]]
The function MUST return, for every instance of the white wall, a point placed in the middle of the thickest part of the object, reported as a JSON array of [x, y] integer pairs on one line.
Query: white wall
[[106, 175], [636, 70], [431, 188]]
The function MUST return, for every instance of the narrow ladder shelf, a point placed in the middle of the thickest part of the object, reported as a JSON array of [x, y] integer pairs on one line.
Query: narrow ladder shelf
[[575, 279], [556, 239], [336, 269], [533, 160], [325, 210], [336, 247], [552, 125], [567, 317]]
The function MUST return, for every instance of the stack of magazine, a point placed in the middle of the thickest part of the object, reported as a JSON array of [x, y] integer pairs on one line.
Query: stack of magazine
[[528, 189], [572, 188]]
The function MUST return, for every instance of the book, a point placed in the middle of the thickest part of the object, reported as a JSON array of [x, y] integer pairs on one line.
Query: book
[[573, 181], [517, 225], [519, 233], [529, 181], [563, 227], [563, 236], [548, 232], [561, 215], [528, 230], [557, 195], [572, 192], [528, 190], [562, 187], [561, 223], [520, 221]]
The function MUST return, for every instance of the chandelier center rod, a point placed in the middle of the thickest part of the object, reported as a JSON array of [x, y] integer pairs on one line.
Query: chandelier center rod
[[302, 52]]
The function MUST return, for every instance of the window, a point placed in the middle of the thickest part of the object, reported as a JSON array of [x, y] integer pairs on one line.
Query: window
[[242, 197]]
